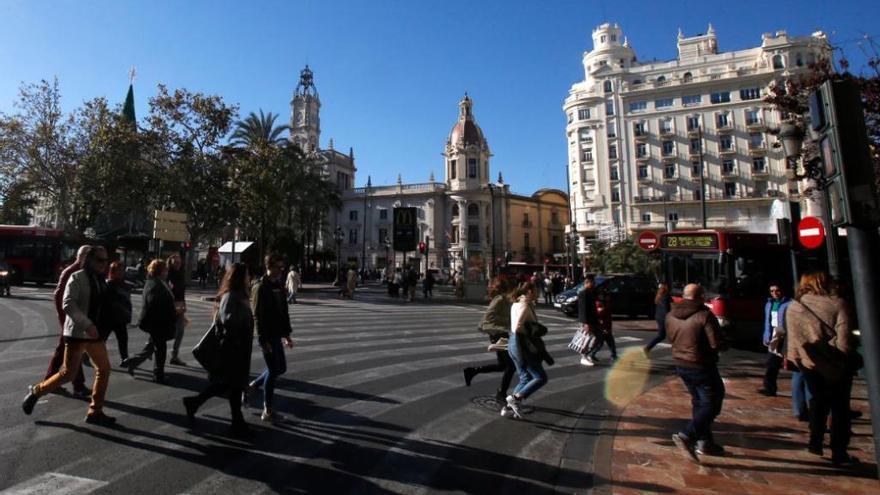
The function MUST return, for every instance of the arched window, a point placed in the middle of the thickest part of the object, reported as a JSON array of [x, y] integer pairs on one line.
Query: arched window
[[608, 87], [637, 82], [687, 77], [799, 60], [661, 79], [454, 211], [777, 62], [473, 211]]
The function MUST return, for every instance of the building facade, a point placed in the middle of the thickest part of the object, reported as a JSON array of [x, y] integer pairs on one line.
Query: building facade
[[647, 141]]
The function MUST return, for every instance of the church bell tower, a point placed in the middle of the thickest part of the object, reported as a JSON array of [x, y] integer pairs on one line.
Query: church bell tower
[[305, 122]]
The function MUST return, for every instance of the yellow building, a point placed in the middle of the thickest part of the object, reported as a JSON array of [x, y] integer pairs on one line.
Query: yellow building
[[536, 225]]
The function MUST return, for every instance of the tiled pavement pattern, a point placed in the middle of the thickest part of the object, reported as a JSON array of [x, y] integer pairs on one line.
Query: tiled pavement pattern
[[766, 446]]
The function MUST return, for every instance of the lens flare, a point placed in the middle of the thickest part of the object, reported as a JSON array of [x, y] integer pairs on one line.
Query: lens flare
[[627, 377]]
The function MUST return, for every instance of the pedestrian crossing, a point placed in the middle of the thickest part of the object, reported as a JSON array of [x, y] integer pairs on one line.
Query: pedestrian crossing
[[374, 402]]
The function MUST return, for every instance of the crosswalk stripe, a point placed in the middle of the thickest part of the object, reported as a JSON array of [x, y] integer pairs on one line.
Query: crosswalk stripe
[[52, 483]]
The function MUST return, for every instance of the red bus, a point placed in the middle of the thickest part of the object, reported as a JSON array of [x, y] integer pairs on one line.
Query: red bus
[[36, 254], [734, 268]]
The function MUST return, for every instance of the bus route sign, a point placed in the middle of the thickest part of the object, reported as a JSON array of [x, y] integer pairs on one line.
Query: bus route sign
[[690, 240]]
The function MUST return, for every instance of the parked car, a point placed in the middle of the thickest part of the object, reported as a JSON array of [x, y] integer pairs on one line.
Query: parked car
[[632, 295], [6, 275]]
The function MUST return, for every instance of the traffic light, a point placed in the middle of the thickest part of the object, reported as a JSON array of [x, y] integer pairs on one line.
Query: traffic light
[[422, 247]]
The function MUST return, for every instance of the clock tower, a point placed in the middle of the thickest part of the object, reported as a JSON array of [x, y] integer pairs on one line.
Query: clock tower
[[305, 122]]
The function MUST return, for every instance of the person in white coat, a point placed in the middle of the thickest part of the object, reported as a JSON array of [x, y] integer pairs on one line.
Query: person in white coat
[[294, 282]]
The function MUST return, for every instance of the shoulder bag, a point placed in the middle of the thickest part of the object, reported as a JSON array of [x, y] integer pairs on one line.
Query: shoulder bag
[[208, 350]]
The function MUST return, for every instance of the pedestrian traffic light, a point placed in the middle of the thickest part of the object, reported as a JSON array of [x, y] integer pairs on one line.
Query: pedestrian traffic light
[[422, 247]]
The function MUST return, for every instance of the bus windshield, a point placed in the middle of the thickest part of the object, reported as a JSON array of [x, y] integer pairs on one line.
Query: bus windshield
[[706, 269]]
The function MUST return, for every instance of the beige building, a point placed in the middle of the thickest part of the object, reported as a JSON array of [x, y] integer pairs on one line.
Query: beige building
[[536, 225]]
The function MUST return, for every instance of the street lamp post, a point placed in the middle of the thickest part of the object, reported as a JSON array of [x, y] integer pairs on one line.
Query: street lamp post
[[702, 175], [492, 223], [364, 236], [337, 236]]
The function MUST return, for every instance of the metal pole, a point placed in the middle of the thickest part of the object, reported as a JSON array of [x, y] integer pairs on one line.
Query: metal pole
[[863, 244], [831, 234], [492, 220], [364, 241], [702, 177]]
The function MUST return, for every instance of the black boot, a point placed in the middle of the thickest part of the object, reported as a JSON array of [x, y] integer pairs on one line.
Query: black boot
[[469, 374], [191, 404]]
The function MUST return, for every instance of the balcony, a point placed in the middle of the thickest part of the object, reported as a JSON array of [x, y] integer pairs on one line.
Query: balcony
[[694, 153], [693, 131], [644, 178], [724, 127], [641, 136], [760, 173], [758, 149], [643, 158], [727, 151], [670, 178], [728, 173], [667, 131], [756, 125], [669, 157]]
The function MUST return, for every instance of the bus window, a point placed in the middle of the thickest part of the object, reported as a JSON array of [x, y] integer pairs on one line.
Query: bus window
[[753, 272], [705, 269]]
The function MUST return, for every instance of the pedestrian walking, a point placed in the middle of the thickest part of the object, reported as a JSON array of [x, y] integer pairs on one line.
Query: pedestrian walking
[[272, 324], [821, 343], [459, 286], [412, 282], [496, 324], [696, 340], [428, 285], [158, 318], [595, 322], [662, 305], [117, 308], [177, 282], [82, 304], [774, 309], [351, 279], [232, 314], [79, 387], [293, 283], [526, 349]]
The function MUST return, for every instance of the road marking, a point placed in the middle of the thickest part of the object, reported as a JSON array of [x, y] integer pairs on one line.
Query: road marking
[[626, 339], [51, 483]]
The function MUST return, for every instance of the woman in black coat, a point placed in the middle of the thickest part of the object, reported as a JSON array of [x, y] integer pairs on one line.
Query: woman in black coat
[[235, 321], [158, 318], [116, 312]]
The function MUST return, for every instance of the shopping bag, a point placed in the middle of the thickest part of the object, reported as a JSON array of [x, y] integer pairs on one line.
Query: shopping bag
[[207, 350], [581, 340]]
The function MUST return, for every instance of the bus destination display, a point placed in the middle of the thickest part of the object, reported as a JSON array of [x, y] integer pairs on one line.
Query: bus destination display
[[690, 241]]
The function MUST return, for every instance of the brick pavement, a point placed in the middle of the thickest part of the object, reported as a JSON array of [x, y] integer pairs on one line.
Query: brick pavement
[[766, 446]]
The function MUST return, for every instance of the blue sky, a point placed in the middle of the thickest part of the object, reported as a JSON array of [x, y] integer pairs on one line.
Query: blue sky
[[390, 73]]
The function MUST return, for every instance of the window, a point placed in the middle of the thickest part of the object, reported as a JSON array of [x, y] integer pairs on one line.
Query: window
[[473, 234], [454, 234], [669, 171], [693, 122], [383, 236], [749, 93], [695, 169], [638, 106], [473, 168], [687, 77], [455, 211], [725, 142], [584, 135], [641, 150], [608, 86], [673, 217], [615, 195], [722, 120], [613, 37], [554, 218], [383, 214], [613, 173], [691, 100], [756, 140], [668, 148], [636, 82], [697, 195], [666, 126], [696, 146], [760, 188], [752, 117], [526, 221], [612, 129], [352, 236], [777, 62], [663, 103], [473, 211], [588, 155], [570, 117], [554, 241], [612, 152], [661, 79], [759, 165], [720, 97], [602, 39], [583, 113], [353, 215], [639, 128], [453, 169], [526, 243], [729, 189], [727, 167], [609, 108], [643, 171], [646, 217], [799, 60]]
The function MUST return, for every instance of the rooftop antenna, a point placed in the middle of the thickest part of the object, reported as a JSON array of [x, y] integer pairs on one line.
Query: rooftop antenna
[[132, 74]]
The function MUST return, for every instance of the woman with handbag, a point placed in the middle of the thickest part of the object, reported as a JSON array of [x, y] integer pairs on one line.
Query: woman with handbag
[[524, 355], [234, 324], [496, 324], [158, 318], [821, 343]]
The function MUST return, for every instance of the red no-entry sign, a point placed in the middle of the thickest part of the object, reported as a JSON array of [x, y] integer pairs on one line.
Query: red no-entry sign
[[648, 241], [811, 232]]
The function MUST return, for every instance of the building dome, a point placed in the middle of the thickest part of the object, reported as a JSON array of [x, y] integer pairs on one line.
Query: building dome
[[466, 132]]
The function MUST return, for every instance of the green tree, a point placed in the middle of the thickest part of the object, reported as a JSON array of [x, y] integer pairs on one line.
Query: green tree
[[258, 131], [622, 257]]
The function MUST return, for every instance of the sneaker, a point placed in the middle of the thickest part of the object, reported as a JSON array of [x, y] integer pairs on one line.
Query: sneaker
[[469, 374], [30, 400], [506, 411], [845, 460], [176, 361], [709, 448], [645, 352], [513, 404], [82, 393], [100, 419], [686, 446], [587, 361], [271, 416], [191, 408]]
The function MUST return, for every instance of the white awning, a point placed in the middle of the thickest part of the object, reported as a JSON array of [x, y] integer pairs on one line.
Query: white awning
[[240, 246]]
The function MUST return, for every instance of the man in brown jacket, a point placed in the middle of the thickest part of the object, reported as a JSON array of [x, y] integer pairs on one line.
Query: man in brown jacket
[[696, 340]]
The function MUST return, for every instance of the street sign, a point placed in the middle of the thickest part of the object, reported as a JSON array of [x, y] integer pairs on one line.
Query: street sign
[[811, 232], [648, 240], [170, 226], [406, 232]]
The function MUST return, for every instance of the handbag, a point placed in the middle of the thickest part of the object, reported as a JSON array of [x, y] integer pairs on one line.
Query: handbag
[[582, 341], [208, 350]]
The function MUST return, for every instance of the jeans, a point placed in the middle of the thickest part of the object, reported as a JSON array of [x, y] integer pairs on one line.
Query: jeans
[[73, 353], [661, 335], [707, 395], [180, 325], [603, 337], [160, 348], [800, 394], [829, 397], [217, 388], [79, 380], [774, 364], [291, 297], [276, 365], [531, 372]]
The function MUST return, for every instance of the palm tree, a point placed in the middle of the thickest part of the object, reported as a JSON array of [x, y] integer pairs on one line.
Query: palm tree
[[258, 131]]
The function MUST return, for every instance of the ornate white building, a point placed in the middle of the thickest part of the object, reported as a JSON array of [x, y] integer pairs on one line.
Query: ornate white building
[[640, 134]]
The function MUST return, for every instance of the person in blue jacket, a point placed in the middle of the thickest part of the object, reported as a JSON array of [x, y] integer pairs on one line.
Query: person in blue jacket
[[774, 311]]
